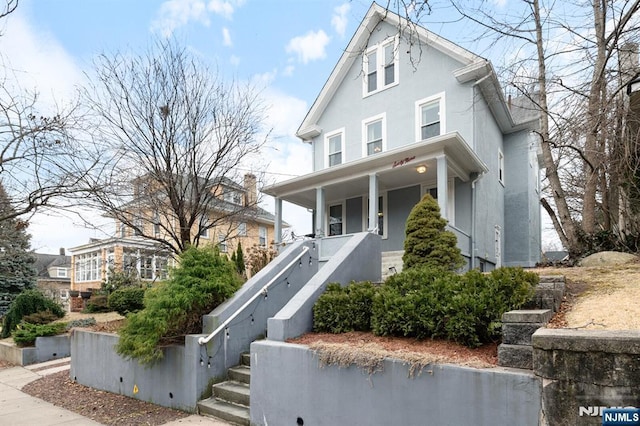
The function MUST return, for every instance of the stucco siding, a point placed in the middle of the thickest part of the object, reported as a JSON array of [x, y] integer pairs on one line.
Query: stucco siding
[[400, 202]]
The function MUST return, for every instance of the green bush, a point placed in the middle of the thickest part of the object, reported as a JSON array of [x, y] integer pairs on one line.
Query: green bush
[[25, 334], [428, 302], [427, 243], [26, 303], [175, 308], [84, 322], [126, 300], [97, 303], [342, 309], [42, 317]]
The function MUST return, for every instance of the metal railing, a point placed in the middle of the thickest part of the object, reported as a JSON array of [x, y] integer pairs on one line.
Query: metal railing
[[263, 292]]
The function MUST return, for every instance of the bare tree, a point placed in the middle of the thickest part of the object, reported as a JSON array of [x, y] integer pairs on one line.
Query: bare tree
[[171, 135], [568, 65]]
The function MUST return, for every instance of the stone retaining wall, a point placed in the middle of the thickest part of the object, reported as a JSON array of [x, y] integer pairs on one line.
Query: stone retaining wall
[[584, 370]]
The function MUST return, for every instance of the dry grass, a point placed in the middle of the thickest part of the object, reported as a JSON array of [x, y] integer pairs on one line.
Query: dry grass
[[607, 299]]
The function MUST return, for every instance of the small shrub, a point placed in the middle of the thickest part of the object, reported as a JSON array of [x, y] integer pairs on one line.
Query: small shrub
[[342, 309], [25, 334], [26, 303], [120, 279], [42, 317], [126, 300], [84, 322], [96, 304]]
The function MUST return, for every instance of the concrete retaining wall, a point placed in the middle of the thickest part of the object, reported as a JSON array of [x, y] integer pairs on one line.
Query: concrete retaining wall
[[584, 370], [46, 349], [287, 384]]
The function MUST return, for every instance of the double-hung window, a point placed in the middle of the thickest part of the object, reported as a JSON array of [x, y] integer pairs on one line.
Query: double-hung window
[[430, 117], [381, 66], [222, 243], [262, 236], [374, 131], [334, 147], [335, 220]]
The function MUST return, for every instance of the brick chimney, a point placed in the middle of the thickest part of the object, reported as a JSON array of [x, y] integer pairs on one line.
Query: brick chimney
[[62, 251], [251, 189]]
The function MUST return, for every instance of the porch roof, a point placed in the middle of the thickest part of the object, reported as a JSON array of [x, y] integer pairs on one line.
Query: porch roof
[[395, 168]]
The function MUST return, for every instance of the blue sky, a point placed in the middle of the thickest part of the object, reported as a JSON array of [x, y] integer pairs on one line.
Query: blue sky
[[286, 47]]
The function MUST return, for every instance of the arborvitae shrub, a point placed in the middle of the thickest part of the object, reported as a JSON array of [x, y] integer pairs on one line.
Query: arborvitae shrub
[[427, 243], [42, 317], [174, 308], [97, 303], [26, 303], [342, 309], [126, 300]]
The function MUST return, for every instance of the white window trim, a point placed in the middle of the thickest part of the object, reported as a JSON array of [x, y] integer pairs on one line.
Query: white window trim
[[379, 49], [266, 236], [242, 229], [451, 198], [368, 121], [222, 243], [328, 136], [62, 273], [438, 97], [501, 167], [342, 203]]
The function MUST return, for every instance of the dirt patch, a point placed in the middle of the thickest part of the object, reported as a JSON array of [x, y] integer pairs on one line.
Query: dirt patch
[[99, 317], [367, 350], [104, 407]]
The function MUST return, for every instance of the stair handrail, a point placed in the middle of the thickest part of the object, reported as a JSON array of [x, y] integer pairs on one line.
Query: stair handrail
[[265, 289]]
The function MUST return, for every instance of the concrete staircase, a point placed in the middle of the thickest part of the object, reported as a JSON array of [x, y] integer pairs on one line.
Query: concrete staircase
[[391, 259], [230, 399]]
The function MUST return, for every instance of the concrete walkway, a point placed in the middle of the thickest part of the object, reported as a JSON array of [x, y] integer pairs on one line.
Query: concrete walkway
[[19, 409]]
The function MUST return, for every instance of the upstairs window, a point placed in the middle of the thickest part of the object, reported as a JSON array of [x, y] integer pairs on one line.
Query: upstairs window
[[62, 272], [242, 229], [374, 131], [233, 197], [334, 148], [430, 117], [381, 66]]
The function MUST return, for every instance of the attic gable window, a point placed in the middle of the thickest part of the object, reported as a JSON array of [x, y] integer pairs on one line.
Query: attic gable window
[[380, 66]]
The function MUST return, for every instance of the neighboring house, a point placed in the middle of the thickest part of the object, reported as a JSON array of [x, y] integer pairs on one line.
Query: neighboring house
[[128, 250], [53, 275], [395, 121]]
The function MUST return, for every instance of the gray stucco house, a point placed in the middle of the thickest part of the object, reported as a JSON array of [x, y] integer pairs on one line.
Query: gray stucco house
[[406, 112]]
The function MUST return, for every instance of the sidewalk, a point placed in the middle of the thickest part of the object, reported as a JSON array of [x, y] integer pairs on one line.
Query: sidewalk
[[19, 409]]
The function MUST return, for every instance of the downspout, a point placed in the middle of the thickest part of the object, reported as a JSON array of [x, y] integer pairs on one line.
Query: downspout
[[472, 263]]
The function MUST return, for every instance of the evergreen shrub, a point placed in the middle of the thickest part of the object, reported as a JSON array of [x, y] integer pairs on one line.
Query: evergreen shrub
[[427, 242], [342, 309], [126, 300], [203, 280], [97, 303], [26, 303], [25, 334]]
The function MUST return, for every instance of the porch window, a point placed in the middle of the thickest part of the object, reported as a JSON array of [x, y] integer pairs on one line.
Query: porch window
[[334, 147], [430, 117], [335, 220], [374, 130]]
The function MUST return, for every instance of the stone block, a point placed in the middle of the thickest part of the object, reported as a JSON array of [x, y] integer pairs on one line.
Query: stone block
[[519, 333], [515, 356], [528, 315]]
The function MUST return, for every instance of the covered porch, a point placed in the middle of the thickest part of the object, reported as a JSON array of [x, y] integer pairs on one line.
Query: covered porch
[[377, 192]]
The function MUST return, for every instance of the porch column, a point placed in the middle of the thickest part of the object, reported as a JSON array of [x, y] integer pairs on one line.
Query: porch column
[[320, 231], [373, 202], [443, 190], [278, 224]]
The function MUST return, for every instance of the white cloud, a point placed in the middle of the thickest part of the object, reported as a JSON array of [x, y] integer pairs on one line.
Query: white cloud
[[226, 37], [234, 60], [174, 14], [288, 70], [339, 20], [224, 8], [309, 47]]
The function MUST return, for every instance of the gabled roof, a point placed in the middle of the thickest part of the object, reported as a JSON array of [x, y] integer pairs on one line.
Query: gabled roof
[[45, 261], [473, 67]]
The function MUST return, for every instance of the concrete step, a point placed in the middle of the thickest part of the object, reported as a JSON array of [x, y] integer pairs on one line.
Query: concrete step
[[515, 356], [528, 316], [519, 333], [234, 392], [245, 359], [236, 414], [241, 373]]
